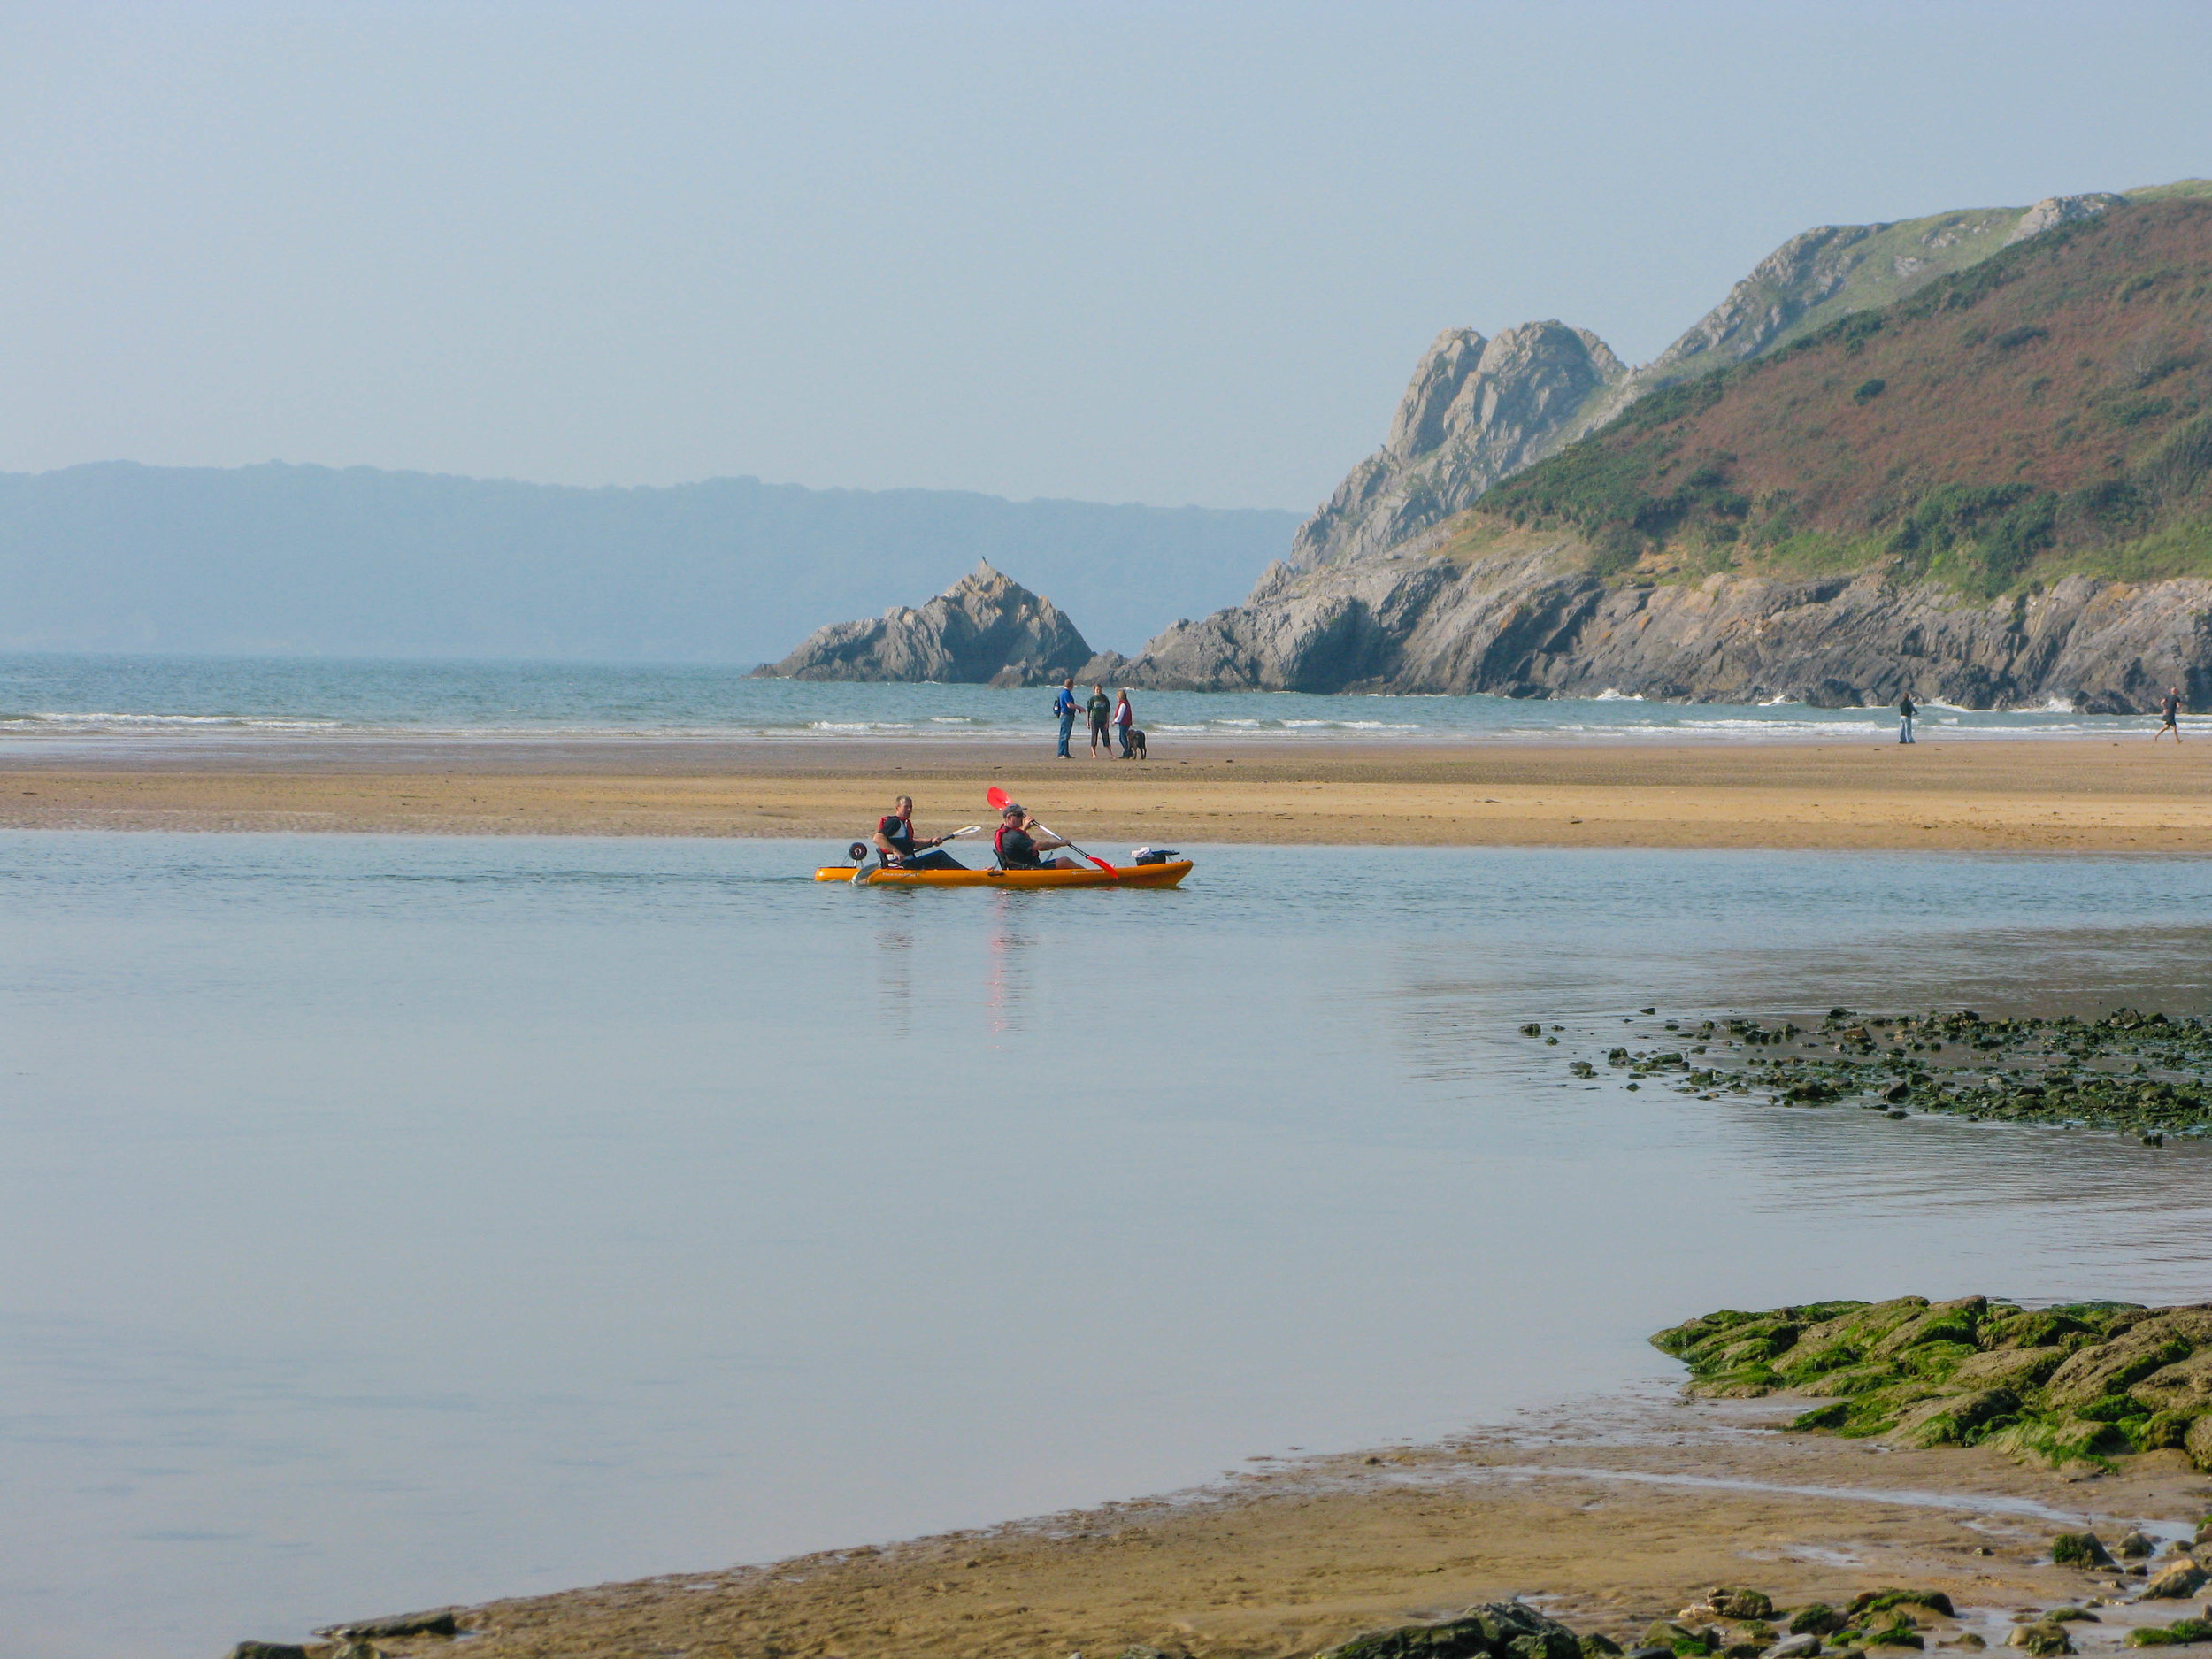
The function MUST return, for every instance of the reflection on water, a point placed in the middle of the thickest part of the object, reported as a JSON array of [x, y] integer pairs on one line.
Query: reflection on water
[[894, 979], [1006, 980], [395, 1221]]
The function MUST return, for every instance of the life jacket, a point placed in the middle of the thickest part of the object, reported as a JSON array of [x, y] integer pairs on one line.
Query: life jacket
[[998, 846]]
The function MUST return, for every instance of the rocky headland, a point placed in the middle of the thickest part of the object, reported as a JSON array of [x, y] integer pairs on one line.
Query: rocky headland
[[1974, 474], [986, 629]]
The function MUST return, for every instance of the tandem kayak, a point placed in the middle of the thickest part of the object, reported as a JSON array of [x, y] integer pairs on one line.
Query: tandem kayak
[[1164, 875]]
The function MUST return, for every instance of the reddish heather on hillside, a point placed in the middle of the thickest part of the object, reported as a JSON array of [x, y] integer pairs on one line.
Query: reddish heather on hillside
[[2054, 398]]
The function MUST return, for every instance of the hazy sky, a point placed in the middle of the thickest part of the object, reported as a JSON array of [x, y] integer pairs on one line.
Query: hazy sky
[[1126, 252]]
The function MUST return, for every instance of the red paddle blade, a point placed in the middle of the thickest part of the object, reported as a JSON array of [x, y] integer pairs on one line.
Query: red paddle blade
[[997, 796]]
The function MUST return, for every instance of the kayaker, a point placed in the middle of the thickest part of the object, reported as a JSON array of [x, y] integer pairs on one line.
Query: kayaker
[[1099, 707], [1018, 842], [895, 844]]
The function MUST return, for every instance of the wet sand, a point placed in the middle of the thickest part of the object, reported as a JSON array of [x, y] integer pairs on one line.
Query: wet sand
[[1607, 1517], [2028, 794]]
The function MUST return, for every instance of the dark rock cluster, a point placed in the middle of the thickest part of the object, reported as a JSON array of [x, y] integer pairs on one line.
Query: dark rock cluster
[[1728, 1623], [2148, 1073]]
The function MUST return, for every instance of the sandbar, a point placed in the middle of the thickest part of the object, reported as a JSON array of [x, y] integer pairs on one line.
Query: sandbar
[[1607, 1514], [2020, 794]]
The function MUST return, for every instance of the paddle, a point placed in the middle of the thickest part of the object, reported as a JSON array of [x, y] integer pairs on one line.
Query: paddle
[[863, 874], [1000, 799]]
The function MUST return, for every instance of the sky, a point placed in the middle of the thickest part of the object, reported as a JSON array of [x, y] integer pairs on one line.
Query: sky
[[1127, 252]]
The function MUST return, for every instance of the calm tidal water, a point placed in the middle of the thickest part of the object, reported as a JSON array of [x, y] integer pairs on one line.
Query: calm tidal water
[[395, 1221]]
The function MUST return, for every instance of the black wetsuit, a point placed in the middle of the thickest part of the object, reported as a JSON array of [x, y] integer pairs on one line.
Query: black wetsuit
[[900, 834]]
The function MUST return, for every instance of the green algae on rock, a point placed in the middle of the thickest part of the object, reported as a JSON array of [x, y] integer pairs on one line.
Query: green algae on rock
[[2071, 1384], [2148, 1073]]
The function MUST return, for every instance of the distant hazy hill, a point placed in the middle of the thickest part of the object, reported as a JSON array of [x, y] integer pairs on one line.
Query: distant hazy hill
[[124, 557]]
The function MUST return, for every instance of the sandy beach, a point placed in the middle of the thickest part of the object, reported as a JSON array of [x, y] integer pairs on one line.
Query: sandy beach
[[2030, 794], [1607, 1515]]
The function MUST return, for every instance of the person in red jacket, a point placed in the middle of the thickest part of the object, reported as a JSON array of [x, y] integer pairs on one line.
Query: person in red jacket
[[895, 844], [1021, 839]]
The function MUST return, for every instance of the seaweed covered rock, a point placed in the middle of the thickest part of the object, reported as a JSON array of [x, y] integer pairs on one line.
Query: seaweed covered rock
[[2070, 1383], [2181, 1632], [1496, 1630]]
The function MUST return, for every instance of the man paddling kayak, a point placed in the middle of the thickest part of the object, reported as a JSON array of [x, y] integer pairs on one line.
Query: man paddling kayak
[[898, 849], [1020, 839]]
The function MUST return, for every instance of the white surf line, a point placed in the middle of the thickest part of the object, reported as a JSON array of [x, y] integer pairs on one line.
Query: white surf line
[[1905, 1498]]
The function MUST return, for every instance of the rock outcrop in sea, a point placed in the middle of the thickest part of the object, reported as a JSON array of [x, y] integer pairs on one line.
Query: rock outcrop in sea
[[986, 629]]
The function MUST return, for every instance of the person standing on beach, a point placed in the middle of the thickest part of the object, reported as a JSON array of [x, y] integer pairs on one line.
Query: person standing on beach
[[1099, 707], [2170, 715], [1905, 711], [1063, 706], [1124, 717]]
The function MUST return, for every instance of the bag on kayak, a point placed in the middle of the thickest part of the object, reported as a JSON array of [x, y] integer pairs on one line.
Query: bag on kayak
[[1154, 854]]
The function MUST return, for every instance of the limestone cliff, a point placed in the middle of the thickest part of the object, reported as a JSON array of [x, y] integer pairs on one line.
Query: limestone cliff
[[986, 629], [1478, 410]]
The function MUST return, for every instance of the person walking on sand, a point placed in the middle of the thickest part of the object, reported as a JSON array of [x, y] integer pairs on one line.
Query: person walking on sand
[[1905, 711], [1063, 706], [2170, 715], [1099, 708], [1124, 717]]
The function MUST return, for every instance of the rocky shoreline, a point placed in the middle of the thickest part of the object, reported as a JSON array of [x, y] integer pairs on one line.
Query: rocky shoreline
[[1527, 615]]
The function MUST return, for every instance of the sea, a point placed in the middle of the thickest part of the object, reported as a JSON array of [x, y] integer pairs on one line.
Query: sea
[[110, 701], [397, 1221]]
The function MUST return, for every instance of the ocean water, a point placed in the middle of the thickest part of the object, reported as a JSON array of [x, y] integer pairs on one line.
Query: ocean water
[[398, 1221], [106, 701]]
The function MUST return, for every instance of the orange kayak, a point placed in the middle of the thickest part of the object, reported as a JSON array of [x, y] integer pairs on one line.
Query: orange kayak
[[1164, 875]]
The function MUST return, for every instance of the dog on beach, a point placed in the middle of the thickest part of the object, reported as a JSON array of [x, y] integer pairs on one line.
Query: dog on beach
[[1136, 746]]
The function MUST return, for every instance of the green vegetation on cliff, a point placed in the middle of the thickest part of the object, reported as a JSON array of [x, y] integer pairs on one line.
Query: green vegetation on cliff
[[2046, 411]]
